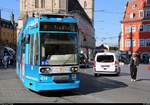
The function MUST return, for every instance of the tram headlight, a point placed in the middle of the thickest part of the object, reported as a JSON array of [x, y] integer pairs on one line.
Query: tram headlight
[[44, 70], [74, 69]]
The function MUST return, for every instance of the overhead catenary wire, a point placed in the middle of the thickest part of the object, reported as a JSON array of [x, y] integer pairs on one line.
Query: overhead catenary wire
[[7, 10], [108, 12]]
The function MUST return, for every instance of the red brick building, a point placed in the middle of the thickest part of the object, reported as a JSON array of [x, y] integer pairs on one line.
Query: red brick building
[[136, 27]]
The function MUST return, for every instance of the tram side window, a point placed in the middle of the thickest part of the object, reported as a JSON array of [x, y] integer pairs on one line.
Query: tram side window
[[36, 49], [31, 49], [23, 45]]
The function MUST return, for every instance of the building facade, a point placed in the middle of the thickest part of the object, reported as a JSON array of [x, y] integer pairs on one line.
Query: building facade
[[7, 34], [136, 27], [88, 6], [43, 6], [73, 7]]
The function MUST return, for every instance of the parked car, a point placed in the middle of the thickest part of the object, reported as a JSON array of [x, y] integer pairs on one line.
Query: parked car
[[145, 58], [106, 63], [83, 61], [124, 59], [10, 53]]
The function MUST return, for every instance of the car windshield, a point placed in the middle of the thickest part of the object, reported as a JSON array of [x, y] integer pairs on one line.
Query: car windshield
[[105, 58], [58, 49]]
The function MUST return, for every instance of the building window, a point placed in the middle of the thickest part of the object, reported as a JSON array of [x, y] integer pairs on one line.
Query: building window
[[134, 6], [141, 28], [128, 29], [3, 25], [42, 3], [133, 28], [148, 28], [85, 4], [134, 43], [7, 25], [148, 13], [36, 3], [148, 1], [132, 15], [142, 43], [148, 42], [142, 14], [128, 43], [145, 28], [54, 4]]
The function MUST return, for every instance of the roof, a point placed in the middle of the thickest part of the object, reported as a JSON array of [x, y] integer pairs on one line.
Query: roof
[[133, 7], [105, 53], [103, 46], [6, 23]]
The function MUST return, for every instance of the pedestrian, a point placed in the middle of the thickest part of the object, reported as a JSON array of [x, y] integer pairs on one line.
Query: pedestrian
[[134, 62], [5, 60]]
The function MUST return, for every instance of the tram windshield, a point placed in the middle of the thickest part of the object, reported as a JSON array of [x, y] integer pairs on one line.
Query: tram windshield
[[58, 49]]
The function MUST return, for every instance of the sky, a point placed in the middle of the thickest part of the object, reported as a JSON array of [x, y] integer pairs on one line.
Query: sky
[[107, 16]]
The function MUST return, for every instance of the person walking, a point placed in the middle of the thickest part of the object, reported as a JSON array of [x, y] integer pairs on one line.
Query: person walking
[[134, 62], [5, 60]]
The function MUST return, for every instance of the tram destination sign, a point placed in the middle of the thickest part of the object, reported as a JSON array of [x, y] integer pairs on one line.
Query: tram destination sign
[[67, 27]]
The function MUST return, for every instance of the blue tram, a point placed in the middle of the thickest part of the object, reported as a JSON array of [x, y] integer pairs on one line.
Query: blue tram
[[48, 53]]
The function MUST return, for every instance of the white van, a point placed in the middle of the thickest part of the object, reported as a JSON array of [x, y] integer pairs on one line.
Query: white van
[[106, 63]]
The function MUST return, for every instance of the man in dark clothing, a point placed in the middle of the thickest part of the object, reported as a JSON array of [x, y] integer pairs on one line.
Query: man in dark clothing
[[133, 66]]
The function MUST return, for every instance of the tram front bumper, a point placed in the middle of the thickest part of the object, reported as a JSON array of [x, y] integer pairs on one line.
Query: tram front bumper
[[39, 87]]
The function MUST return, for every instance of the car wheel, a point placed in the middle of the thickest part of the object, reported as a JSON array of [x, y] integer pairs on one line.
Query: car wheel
[[118, 73], [87, 65], [95, 74]]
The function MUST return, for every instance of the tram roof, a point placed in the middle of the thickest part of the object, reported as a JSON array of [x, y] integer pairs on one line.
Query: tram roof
[[32, 21], [65, 19], [59, 20]]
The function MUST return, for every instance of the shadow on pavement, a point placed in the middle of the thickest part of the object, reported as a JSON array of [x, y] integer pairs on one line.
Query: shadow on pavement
[[89, 85], [143, 80], [113, 75], [124, 74], [9, 67]]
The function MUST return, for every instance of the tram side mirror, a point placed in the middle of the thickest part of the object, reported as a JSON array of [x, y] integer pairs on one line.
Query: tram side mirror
[[27, 40]]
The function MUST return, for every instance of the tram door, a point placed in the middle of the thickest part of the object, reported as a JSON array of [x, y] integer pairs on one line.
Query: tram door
[[22, 59]]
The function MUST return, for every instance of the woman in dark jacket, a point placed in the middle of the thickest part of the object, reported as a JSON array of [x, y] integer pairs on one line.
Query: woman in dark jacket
[[133, 67]]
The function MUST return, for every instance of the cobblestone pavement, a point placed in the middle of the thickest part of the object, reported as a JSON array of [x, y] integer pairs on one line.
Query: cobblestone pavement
[[103, 89]]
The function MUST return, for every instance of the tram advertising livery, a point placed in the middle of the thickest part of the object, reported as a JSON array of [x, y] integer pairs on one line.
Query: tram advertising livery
[[48, 54]]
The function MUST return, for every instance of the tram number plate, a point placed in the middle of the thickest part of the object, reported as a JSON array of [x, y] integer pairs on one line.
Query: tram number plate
[[62, 69], [61, 78]]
